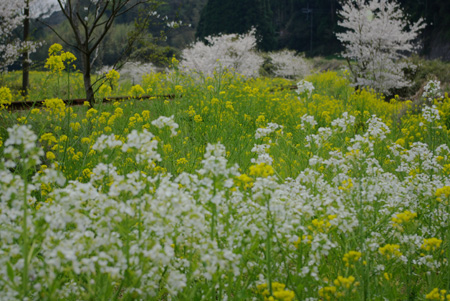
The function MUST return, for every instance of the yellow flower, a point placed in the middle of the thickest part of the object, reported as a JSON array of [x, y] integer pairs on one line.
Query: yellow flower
[[167, 148], [346, 184], [345, 282], [278, 290], [146, 115], [443, 192], [87, 173], [58, 58], [352, 256], [118, 112], [91, 113], [214, 101], [179, 89], [54, 49], [320, 225], [229, 105], [50, 156], [244, 181], [55, 105], [431, 244], [191, 111], [104, 90], [261, 170], [5, 97], [438, 295], [327, 292], [182, 161], [198, 118], [390, 250], [49, 138], [403, 218], [113, 77], [261, 121], [75, 126], [137, 91]]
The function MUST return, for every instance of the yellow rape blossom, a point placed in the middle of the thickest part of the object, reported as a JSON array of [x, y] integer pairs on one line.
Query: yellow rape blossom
[[50, 156], [403, 218], [5, 97], [390, 250], [431, 244], [438, 295], [244, 181], [136, 91], [198, 118], [350, 257], [261, 170], [91, 113], [182, 161], [327, 292], [279, 292], [345, 282], [443, 192]]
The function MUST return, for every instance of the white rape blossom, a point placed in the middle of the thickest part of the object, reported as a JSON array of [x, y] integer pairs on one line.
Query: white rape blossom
[[263, 156], [344, 122], [163, 121], [432, 90], [431, 114], [376, 129], [307, 119], [145, 145], [21, 147], [263, 132], [106, 142], [305, 88]]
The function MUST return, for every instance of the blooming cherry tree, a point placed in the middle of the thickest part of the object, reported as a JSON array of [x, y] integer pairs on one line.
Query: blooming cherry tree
[[10, 18], [377, 38], [231, 51]]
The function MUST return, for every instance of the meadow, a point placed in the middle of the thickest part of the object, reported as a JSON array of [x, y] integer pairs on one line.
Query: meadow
[[235, 189]]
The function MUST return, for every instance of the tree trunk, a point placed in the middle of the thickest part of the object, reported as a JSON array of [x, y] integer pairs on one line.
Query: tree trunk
[[86, 61], [25, 55]]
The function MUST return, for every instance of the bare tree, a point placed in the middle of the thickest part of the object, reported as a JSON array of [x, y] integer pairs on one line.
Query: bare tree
[[90, 21]]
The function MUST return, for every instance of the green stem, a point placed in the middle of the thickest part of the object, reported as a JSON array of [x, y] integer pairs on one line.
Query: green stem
[[268, 248], [25, 239]]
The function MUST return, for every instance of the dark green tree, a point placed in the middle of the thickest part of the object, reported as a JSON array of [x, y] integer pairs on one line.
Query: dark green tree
[[238, 16]]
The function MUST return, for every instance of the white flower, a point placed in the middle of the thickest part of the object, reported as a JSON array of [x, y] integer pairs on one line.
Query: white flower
[[430, 114], [305, 87], [106, 142], [163, 121], [432, 90]]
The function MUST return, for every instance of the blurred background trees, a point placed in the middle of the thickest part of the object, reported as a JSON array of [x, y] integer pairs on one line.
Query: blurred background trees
[[305, 26]]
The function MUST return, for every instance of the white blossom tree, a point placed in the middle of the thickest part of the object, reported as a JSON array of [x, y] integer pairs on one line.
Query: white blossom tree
[[378, 37], [11, 17], [288, 64], [232, 51], [15, 14]]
